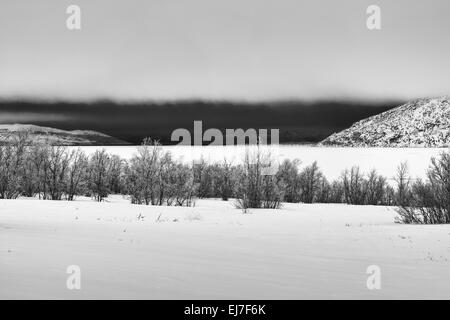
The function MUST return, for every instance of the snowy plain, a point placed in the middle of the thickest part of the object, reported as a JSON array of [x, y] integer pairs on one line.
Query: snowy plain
[[214, 251]]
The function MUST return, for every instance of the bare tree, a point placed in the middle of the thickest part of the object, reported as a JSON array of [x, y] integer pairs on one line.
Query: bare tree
[[12, 158], [99, 167], [57, 165], [375, 187], [115, 177], [403, 182], [310, 179], [353, 183], [77, 174], [336, 192], [39, 158], [324, 192]]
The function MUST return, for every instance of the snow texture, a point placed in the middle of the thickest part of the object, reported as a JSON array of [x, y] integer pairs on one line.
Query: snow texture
[[214, 251]]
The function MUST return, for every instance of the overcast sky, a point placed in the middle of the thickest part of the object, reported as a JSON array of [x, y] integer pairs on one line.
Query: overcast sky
[[224, 49]]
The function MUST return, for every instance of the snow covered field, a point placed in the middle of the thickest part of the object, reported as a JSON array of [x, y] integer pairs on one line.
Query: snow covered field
[[214, 251], [332, 161]]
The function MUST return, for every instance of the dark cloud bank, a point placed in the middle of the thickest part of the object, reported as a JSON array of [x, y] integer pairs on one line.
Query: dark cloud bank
[[299, 122]]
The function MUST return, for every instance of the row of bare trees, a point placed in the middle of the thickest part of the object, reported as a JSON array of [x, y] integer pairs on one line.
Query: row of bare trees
[[418, 201], [254, 189], [56, 172], [153, 177], [353, 187], [150, 177]]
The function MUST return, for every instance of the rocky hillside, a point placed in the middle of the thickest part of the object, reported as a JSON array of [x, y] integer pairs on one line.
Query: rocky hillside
[[420, 123], [57, 136]]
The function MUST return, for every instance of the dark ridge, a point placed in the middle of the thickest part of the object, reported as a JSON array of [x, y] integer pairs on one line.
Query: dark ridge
[[299, 122]]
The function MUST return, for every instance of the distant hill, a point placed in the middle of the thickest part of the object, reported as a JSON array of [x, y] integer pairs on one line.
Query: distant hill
[[58, 136], [419, 123]]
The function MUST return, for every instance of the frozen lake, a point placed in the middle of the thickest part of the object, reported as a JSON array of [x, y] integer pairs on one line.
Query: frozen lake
[[332, 161]]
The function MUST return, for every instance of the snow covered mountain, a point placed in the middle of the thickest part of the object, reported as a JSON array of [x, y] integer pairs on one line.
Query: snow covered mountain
[[419, 123], [58, 136]]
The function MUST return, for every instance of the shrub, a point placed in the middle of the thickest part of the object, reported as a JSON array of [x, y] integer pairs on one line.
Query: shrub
[[144, 176], [254, 188], [288, 176], [204, 176], [153, 178], [226, 180], [182, 186], [430, 202]]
